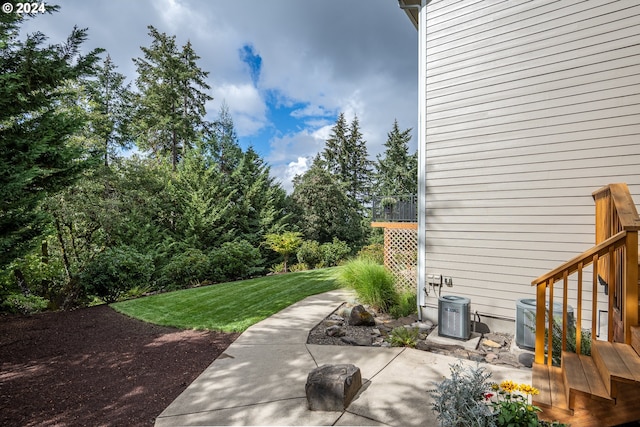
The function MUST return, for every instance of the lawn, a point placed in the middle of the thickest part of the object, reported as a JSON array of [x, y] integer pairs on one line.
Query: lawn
[[229, 307]]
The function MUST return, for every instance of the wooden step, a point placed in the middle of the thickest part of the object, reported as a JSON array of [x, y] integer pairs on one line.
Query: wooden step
[[617, 363], [581, 376], [548, 380]]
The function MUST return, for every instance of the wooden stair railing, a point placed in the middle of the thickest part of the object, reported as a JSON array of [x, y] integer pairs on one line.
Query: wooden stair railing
[[613, 373]]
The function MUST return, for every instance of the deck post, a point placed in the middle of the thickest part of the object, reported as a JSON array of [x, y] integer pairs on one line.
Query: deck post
[[630, 285], [540, 315]]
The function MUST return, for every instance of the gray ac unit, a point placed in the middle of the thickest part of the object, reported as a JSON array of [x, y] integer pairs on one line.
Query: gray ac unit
[[526, 321], [454, 317]]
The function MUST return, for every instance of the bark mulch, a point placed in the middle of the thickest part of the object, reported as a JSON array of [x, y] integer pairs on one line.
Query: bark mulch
[[95, 367]]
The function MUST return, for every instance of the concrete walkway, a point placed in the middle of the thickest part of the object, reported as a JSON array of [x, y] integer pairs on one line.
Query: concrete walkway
[[260, 379]]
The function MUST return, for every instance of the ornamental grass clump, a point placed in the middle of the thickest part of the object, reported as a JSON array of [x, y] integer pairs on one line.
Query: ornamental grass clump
[[373, 283]]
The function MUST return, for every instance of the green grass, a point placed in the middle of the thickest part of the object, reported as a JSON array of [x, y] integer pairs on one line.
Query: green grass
[[229, 307]]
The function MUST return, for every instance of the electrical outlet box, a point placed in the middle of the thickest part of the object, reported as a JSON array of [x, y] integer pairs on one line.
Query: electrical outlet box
[[448, 280]]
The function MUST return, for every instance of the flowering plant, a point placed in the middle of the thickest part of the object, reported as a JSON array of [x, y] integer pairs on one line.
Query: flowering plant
[[511, 404], [468, 399]]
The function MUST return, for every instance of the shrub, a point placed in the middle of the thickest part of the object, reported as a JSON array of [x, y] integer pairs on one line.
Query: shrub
[[334, 252], [310, 253], [24, 304], [374, 251], [373, 283], [277, 268], [556, 340], [403, 337], [459, 400], [407, 304], [186, 268], [298, 267], [116, 270], [235, 260]]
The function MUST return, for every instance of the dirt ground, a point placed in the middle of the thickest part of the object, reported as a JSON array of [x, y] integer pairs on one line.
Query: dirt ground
[[95, 367]]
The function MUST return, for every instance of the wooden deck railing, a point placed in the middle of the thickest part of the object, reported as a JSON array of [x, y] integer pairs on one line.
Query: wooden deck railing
[[614, 258]]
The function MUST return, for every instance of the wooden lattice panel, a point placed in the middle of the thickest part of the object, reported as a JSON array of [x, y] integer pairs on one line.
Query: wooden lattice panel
[[401, 255]]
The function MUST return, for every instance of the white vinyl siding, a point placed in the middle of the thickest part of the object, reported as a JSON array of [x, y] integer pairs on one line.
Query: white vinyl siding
[[531, 106]]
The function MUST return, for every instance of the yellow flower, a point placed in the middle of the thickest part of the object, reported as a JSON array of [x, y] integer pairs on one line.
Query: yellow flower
[[508, 386], [528, 390], [495, 387], [529, 408]]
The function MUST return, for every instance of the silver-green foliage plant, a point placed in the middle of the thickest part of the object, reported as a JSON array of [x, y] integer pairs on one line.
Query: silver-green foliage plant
[[459, 400]]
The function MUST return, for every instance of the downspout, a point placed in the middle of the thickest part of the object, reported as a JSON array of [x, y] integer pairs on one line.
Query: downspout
[[422, 158], [421, 25]]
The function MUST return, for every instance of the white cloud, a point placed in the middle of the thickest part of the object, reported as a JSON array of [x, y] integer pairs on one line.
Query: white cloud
[[246, 105], [356, 56], [311, 111], [286, 172]]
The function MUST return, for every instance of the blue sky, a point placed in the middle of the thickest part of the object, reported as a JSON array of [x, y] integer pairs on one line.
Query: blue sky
[[284, 68]]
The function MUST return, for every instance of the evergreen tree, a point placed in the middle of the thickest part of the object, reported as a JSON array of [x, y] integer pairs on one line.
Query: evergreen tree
[[323, 210], [261, 201], [224, 145], [35, 125], [397, 170], [111, 106], [335, 152], [345, 156], [358, 174], [172, 97]]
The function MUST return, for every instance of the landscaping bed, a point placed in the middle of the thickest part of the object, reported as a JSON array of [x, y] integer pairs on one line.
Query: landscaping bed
[[96, 367]]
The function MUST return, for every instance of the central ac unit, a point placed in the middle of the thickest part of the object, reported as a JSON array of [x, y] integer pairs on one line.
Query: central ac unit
[[526, 321], [454, 317]]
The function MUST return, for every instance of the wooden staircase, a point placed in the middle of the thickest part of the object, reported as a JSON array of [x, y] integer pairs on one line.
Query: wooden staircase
[[598, 390], [602, 389]]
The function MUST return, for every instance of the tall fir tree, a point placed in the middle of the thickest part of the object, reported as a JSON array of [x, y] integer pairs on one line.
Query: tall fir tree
[[224, 142], [345, 156], [335, 150], [111, 106], [359, 167], [38, 158], [172, 97], [397, 170]]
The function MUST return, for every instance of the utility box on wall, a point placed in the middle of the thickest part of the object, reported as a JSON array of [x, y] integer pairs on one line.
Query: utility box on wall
[[454, 317]]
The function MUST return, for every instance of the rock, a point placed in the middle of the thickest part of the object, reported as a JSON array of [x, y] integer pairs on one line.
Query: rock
[[335, 331], [526, 359], [423, 327], [490, 357], [360, 341], [496, 338], [490, 343], [476, 357], [332, 387], [330, 323], [375, 331], [344, 312], [361, 317], [336, 318]]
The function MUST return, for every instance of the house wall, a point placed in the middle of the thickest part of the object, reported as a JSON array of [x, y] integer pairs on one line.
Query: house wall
[[530, 106]]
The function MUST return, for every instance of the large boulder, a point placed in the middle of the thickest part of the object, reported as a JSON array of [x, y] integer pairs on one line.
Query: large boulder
[[332, 387], [361, 317]]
